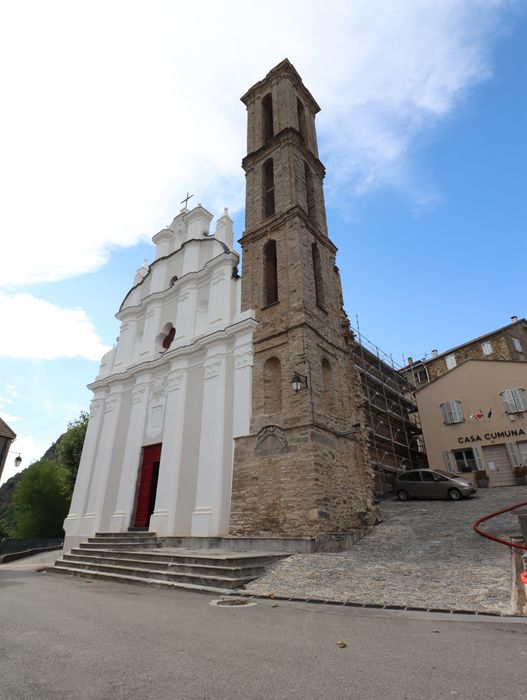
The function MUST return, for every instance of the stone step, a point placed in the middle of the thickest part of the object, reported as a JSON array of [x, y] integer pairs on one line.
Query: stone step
[[126, 535], [137, 581], [96, 544], [201, 557], [223, 570], [157, 575], [122, 540]]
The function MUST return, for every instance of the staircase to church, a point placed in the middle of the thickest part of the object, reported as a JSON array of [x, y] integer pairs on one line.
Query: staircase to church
[[137, 557]]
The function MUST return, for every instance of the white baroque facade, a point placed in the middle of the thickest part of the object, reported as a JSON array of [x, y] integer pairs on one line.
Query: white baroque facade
[[172, 395]]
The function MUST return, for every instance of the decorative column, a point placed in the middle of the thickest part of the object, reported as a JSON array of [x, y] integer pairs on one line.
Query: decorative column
[[103, 459], [121, 518], [164, 518], [84, 474], [209, 491]]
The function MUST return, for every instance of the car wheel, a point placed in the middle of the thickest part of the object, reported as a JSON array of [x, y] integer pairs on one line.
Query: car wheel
[[454, 495], [402, 495]]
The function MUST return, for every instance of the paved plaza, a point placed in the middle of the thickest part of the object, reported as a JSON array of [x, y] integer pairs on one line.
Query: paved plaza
[[65, 638], [423, 554]]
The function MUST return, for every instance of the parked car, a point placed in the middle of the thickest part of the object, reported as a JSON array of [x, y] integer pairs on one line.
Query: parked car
[[432, 483]]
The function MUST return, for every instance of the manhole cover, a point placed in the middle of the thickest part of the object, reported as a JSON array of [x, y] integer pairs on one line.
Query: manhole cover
[[232, 602]]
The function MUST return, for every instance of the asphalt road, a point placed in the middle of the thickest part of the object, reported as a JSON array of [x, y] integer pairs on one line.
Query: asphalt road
[[65, 638]]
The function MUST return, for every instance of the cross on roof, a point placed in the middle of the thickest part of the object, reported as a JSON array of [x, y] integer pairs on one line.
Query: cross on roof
[[185, 201]]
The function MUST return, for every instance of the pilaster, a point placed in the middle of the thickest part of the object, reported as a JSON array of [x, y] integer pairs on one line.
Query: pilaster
[[164, 519], [72, 524], [209, 491], [121, 517], [91, 519]]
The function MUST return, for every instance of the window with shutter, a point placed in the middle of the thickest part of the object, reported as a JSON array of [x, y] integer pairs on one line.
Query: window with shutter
[[449, 460], [514, 455], [477, 458], [450, 361], [486, 347], [517, 344], [520, 399], [514, 400], [452, 412]]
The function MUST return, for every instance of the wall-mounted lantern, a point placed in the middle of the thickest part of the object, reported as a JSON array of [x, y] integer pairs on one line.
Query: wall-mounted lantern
[[18, 460], [298, 381]]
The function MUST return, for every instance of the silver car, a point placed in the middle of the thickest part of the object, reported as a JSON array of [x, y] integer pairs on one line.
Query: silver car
[[432, 483]]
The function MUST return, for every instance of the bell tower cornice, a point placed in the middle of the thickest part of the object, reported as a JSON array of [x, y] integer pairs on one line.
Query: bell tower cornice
[[288, 136], [284, 69]]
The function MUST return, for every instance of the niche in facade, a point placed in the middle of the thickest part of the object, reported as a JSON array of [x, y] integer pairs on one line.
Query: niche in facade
[[272, 376], [165, 338]]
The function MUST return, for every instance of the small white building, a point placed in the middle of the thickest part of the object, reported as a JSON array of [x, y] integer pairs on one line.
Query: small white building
[[171, 395]]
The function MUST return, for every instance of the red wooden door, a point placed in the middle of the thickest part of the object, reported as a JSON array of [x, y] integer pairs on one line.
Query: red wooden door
[[146, 495]]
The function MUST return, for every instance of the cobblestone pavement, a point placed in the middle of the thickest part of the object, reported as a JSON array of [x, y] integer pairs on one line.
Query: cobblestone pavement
[[423, 554]]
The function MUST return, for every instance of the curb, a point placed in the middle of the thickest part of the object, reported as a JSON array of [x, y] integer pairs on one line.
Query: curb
[[376, 606], [13, 556]]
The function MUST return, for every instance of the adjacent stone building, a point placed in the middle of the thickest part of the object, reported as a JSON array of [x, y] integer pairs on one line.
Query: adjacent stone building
[[303, 468], [474, 417], [472, 403], [506, 343]]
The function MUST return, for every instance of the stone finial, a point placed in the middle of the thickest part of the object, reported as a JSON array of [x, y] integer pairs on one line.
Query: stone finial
[[224, 229], [141, 272]]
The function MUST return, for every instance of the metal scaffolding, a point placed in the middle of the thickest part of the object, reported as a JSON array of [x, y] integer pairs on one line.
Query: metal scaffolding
[[392, 420]]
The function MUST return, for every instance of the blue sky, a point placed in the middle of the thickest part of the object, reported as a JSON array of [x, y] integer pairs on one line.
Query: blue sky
[[422, 132]]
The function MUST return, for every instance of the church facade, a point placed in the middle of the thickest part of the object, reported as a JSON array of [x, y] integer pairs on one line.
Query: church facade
[[233, 406], [171, 395]]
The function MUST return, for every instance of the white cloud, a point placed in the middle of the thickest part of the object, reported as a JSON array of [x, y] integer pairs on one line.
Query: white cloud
[[7, 397], [113, 110], [38, 329]]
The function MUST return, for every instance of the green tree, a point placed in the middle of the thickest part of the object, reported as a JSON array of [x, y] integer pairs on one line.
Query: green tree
[[41, 500], [69, 446]]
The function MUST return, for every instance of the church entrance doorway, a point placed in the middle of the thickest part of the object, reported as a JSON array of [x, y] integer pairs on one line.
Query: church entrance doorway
[[146, 492]]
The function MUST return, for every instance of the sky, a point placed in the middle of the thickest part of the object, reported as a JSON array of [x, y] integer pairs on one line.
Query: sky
[[113, 111]]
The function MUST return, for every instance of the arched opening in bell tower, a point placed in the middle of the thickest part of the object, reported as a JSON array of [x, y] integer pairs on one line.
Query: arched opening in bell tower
[[267, 118], [270, 273], [268, 188]]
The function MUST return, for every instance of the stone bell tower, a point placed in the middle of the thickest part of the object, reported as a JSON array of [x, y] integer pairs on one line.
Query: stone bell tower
[[303, 470]]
